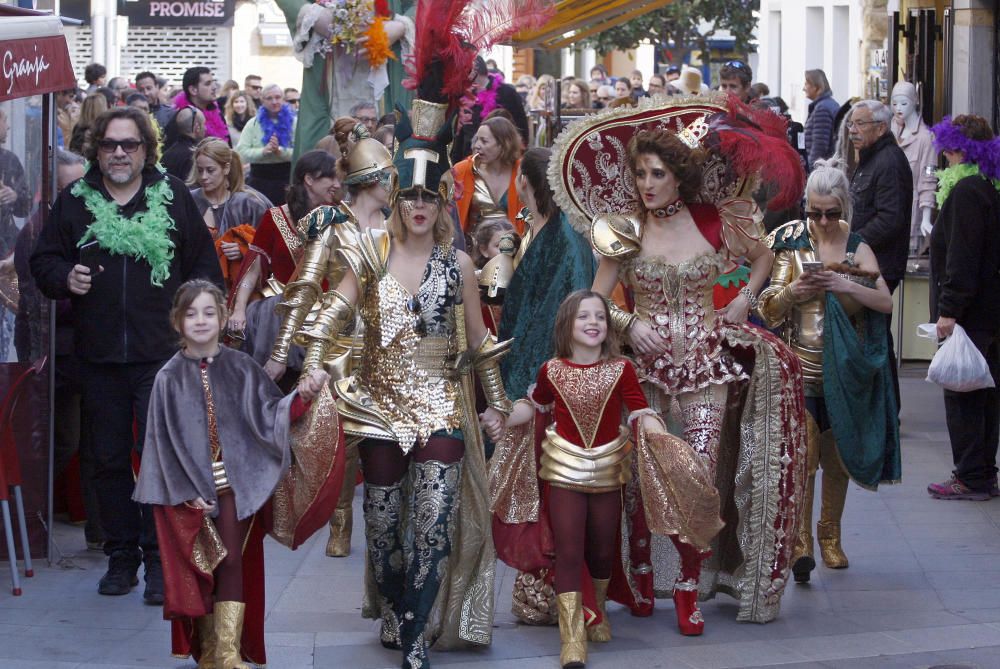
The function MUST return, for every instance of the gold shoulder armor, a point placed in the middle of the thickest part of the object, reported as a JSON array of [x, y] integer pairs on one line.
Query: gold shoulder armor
[[374, 248], [615, 235]]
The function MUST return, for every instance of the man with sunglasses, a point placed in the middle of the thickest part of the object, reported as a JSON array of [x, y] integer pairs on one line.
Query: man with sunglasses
[[118, 243], [735, 77]]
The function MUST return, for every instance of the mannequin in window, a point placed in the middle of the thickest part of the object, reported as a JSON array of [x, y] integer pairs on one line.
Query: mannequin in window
[[915, 139]]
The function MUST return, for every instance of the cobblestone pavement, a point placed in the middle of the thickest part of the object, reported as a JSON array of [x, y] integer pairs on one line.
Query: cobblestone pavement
[[923, 590]]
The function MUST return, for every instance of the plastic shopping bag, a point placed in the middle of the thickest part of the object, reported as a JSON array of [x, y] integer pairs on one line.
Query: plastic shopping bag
[[958, 365]]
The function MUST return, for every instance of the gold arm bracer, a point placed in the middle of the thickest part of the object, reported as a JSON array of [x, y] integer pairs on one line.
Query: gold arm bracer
[[300, 296], [621, 320], [334, 315], [776, 301], [487, 365]]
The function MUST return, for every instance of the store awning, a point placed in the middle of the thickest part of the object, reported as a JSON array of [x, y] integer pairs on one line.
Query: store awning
[[579, 19], [33, 55]]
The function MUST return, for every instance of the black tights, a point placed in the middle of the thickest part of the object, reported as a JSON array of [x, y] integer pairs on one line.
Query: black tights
[[585, 527], [383, 463], [233, 532]]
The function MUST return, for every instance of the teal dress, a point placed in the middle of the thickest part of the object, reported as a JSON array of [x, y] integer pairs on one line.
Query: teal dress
[[557, 262]]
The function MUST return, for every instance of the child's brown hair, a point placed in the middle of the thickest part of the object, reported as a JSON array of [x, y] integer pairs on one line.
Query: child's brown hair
[[562, 332], [187, 294]]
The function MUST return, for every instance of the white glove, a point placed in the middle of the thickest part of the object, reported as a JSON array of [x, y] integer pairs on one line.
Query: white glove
[[925, 223]]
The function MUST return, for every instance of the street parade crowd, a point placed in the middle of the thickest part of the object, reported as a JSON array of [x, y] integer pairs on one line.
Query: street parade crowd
[[612, 351]]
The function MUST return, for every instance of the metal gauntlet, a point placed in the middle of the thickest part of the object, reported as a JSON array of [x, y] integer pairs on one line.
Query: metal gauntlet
[[334, 315], [300, 296], [621, 320], [487, 365]]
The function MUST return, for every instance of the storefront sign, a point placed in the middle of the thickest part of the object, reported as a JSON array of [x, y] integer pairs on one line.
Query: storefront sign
[[177, 12], [34, 66]]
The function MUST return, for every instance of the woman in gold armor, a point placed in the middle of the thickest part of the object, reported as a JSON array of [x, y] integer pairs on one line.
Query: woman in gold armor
[[410, 402], [825, 294]]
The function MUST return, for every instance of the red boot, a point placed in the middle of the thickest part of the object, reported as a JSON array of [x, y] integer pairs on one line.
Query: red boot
[[689, 618]]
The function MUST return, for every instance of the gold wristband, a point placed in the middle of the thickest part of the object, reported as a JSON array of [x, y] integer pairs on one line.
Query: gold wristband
[[487, 365], [621, 320]]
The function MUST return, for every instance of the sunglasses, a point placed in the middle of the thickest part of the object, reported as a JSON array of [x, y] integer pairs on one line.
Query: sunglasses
[[419, 324], [737, 64], [830, 215], [111, 145], [293, 101]]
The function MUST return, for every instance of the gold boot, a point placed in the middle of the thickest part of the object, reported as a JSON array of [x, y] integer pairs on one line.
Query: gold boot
[[206, 638], [339, 543], [573, 654], [835, 481], [228, 631], [602, 631]]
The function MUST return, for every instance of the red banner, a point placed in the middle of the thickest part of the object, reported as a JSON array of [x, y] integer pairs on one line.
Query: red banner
[[34, 66]]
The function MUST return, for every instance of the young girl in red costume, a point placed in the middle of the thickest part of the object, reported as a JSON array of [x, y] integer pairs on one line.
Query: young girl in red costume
[[217, 449], [586, 459]]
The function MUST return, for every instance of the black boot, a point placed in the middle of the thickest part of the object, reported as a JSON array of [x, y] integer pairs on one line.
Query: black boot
[[382, 509], [153, 594], [436, 488], [121, 576]]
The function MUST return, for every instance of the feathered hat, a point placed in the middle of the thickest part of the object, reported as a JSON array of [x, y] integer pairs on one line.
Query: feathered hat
[[589, 172], [450, 34]]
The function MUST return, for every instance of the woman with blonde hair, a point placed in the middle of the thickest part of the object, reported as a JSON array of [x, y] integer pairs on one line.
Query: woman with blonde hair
[[240, 108], [540, 97], [231, 209], [93, 106]]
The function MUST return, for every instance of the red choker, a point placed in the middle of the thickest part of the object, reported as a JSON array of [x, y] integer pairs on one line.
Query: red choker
[[668, 211]]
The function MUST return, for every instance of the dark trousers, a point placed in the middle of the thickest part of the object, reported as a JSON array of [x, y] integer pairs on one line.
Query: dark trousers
[[974, 421], [113, 396], [892, 350]]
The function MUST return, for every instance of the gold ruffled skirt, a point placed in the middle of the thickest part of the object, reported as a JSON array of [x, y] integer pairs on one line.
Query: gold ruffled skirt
[[599, 469]]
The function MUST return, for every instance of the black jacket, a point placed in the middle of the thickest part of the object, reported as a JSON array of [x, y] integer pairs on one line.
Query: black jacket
[[882, 193], [179, 158], [965, 256], [123, 318]]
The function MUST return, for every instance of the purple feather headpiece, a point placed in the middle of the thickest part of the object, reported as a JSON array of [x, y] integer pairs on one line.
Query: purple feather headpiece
[[983, 152]]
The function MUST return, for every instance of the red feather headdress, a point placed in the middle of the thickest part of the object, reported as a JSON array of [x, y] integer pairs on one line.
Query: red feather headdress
[[451, 33], [755, 142]]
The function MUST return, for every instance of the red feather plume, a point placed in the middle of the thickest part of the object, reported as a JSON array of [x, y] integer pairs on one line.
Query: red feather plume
[[755, 142], [451, 33]]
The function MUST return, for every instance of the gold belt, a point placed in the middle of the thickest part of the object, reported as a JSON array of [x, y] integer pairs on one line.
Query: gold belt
[[600, 469], [219, 476], [434, 355]]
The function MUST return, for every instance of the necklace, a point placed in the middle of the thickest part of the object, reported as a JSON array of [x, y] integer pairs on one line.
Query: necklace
[[670, 210], [144, 236]]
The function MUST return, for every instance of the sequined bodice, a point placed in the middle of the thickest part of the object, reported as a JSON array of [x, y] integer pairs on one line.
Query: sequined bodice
[[409, 348], [676, 300]]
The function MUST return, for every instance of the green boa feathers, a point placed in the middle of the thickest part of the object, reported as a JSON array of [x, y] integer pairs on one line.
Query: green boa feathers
[[948, 177], [145, 236]]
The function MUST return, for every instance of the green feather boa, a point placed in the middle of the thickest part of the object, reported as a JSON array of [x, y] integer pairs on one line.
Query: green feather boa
[[145, 236], [948, 177]]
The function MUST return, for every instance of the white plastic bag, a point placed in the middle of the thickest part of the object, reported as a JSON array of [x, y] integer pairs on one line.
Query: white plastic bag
[[958, 365]]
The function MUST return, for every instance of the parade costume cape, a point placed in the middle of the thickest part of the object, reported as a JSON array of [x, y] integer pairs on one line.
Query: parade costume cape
[[287, 477], [761, 461]]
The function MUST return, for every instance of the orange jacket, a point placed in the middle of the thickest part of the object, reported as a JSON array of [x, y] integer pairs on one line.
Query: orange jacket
[[465, 184]]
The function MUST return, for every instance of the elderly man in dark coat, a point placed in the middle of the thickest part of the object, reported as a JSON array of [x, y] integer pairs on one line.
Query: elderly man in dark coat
[[882, 194]]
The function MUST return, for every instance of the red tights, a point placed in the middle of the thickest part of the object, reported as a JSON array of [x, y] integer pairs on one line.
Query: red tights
[[585, 528], [233, 532]]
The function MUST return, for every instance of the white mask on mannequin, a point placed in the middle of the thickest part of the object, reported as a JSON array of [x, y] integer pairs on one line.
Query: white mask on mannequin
[[903, 107]]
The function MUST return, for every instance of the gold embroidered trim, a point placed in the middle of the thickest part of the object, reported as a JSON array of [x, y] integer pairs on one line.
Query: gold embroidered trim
[[585, 391]]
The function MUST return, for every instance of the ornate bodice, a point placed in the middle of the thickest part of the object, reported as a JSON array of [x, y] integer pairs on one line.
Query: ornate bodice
[[410, 346], [676, 300]]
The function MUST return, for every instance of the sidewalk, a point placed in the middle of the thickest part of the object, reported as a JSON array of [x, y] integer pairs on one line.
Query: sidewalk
[[923, 589]]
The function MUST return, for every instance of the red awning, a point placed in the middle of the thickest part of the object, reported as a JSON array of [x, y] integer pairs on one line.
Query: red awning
[[33, 55]]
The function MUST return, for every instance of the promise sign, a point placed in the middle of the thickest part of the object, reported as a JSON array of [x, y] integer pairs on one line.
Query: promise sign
[[177, 12]]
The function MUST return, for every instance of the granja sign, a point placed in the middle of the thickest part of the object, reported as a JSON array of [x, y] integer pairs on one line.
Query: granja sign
[[177, 12], [34, 66]]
